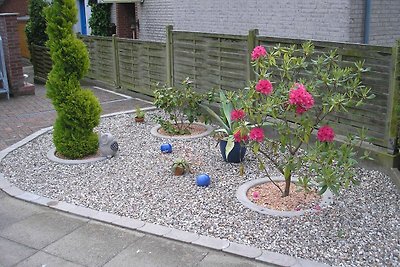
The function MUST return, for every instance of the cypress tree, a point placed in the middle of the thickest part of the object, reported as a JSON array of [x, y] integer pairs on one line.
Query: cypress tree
[[78, 110]]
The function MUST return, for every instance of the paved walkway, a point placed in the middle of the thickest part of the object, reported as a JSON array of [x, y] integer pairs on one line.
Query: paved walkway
[[33, 235]]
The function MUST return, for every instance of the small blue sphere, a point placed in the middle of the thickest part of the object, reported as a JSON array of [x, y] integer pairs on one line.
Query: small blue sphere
[[203, 180], [166, 148]]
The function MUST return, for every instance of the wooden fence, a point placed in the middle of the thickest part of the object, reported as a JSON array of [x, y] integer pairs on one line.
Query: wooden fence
[[223, 61]]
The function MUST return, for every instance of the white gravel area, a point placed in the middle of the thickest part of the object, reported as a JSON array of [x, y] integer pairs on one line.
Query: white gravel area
[[361, 228]]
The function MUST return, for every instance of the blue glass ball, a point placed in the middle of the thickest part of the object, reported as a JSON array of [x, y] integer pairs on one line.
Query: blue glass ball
[[166, 148], [203, 180]]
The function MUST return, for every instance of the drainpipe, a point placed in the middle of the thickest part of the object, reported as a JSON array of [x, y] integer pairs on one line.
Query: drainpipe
[[367, 21]]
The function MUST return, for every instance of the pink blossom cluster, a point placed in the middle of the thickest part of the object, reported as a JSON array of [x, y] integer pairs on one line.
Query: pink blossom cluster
[[239, 137], [264, 87], [258, 51], [256, 134], [301, 98], [237, 114], [325, 134]]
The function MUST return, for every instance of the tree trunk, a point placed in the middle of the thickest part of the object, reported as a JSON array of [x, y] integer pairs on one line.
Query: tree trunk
[[288, 176]]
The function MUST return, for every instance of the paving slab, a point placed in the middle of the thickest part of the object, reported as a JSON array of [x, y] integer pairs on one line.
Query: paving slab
[[42, 259], [243, 250], [276, 258], [94, 244], [40, 230], [211, 242], [12, 252], [152, 251], [218, 259], [12, 211]]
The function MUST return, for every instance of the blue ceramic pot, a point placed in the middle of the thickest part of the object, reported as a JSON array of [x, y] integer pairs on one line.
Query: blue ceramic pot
[[203, 180], [237, 153]]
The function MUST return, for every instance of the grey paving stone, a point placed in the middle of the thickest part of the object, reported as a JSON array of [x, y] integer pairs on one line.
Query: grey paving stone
[[2, 194], [41, 259], [219, 259], [243, 250], [12, 252], [276, 258], [13, 210], [27, 196], [182, 236], [13, 191], [155, 229], [211, 242], [152, 251], [94, 244], [129, 223], [106, 217], [40, 230]]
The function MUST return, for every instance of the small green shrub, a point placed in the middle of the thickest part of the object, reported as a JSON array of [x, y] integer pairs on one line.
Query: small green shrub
[[78, 111], [181, 105]]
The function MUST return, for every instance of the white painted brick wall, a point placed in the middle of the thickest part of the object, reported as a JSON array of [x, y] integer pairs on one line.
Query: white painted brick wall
[[385, 22], [154, 15], [340, 20]]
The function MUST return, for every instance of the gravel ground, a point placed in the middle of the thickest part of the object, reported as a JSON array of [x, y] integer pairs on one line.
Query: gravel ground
[[360, 229]]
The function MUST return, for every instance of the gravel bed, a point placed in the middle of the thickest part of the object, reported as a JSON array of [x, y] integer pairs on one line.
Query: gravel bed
[[360, 229]]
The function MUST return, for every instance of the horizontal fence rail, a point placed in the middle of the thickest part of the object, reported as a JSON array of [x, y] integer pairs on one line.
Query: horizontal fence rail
[[222, 61]]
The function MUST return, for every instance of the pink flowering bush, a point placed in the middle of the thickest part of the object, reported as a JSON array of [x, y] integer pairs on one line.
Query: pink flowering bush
[[258, 52], [282, 119], [264, 87], [237, 114]]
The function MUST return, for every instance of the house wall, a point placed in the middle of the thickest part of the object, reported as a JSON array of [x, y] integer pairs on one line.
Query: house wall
[[154, 15], [385, 22], [15, 6]]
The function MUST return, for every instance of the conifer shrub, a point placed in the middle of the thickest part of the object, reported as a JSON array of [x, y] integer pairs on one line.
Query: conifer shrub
[[36, 26], [78, 110]]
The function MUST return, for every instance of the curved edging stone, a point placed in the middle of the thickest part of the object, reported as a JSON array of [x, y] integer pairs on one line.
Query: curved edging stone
[[154, 131], [51, 156], [241, 194], [250, 252]]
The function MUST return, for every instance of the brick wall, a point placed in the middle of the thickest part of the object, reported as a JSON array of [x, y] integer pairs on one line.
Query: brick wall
[[385, 22], [153, 16], [341, 20], [124, 19], [12, 55], [15, 6], [313, 19]]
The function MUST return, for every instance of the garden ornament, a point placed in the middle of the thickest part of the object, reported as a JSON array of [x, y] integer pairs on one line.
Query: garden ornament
[[166, 148], [107, 145]]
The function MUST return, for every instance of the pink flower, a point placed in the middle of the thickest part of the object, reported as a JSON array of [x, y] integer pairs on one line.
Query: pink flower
[[237, 114], [258, 51], [325, 134], [264, 87], [301, 98], [256, 134], [238, 136], [256, 195]]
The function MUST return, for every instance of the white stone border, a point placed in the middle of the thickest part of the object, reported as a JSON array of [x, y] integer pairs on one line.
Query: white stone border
[[51, 156], [241, 194], [154, 131]]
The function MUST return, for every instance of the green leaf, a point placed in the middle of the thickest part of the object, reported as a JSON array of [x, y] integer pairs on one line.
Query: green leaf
[[229, 146]]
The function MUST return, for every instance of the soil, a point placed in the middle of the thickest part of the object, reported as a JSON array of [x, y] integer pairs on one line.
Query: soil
[[61, 156], [194, 129], [269, 196]]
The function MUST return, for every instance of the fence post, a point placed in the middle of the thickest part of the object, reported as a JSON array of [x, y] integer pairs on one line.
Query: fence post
[[117, 77], [393, 109], [170, 56], [251, 43]]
